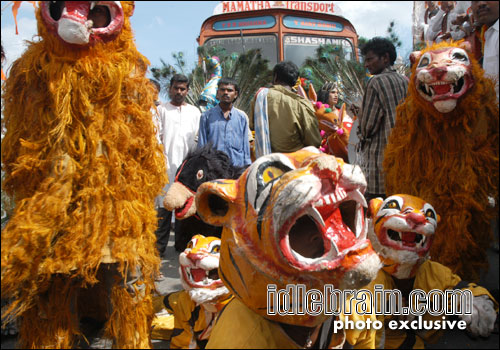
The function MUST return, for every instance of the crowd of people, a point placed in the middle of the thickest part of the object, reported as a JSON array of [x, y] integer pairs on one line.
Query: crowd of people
[[289, 120], [284, 122]]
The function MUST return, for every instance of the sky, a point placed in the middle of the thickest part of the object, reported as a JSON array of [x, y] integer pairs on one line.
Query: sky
[[165, 27]]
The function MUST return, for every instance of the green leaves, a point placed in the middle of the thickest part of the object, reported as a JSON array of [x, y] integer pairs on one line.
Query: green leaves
[[249, 69], [392, 35]]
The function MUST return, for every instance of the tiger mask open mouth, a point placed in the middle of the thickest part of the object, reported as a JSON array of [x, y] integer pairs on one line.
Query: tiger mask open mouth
[[198, 268], [76, 22], [401, 229], [292, 218]]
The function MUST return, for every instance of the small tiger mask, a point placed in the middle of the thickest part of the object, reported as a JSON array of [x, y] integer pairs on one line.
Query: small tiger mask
[[401, 229], [292, 218], [199, 264]]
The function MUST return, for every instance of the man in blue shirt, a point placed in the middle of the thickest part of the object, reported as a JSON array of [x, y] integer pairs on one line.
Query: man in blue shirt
[[225, 126]]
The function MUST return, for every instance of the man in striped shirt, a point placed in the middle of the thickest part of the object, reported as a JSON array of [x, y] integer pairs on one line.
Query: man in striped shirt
[[384, 91]]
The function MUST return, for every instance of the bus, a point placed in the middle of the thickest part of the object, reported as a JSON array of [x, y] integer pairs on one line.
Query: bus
[[282, 30]]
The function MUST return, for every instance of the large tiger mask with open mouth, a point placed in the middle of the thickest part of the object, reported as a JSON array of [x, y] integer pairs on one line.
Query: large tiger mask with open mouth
[[292, 218]]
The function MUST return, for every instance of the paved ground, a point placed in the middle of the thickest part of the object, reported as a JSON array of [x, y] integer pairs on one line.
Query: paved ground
[[450, 340]]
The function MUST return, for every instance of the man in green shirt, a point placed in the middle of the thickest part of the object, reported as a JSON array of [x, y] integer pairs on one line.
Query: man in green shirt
[[290, 120]]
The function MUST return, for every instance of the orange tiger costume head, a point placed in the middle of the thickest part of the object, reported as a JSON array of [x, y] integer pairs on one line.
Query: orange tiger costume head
[[73, 21], [442, 75], [401, 229], [199, 264], [291, 219]]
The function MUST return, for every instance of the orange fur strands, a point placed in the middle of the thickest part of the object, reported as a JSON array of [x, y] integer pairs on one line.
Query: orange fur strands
[[451, 160], [82, 162], [51, 326], [130, 322]]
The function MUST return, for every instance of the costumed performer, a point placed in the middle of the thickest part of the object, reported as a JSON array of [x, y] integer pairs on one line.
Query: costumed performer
[[444, 148], [289, 219], [196, 307], [83, 164], [402, 229]]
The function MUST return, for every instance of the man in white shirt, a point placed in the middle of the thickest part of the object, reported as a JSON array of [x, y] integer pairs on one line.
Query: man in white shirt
[[486, 14], [178, 132], [443, 25]]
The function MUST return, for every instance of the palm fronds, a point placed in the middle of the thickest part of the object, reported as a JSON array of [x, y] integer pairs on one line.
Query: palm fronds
[[330, 65], [249, 69]]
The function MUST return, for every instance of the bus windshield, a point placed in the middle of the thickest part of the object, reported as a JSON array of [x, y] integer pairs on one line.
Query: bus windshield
[[266, 43], [298, 48]]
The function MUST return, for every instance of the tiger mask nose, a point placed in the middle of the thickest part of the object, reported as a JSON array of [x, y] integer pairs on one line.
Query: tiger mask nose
[[415, 219]]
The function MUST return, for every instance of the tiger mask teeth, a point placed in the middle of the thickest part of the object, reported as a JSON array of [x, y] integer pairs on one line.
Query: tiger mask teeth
[[408, 239], [402, 230], [291, 218], [442, 77], [199, 263], [201, 276]]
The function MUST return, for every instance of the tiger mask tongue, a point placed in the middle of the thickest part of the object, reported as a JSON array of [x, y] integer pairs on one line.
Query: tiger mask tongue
[[408, 238], [198, 274], [442, 89], [73, 26]]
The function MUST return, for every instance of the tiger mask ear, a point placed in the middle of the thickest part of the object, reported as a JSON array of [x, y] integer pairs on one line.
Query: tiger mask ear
[[313, 97], [215, 201], [466, 46], [374, 206], [415, 56]]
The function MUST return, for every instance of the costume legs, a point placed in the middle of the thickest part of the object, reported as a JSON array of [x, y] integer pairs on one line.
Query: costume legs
[[163, 230], [52, 322]]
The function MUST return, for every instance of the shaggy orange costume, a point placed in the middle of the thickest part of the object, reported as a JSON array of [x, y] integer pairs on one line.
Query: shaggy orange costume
[[83, 165], [450, 158]]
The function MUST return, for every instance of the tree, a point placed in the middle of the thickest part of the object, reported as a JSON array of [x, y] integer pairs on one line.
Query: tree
[[163, 73], [392, 36], [362, 41]]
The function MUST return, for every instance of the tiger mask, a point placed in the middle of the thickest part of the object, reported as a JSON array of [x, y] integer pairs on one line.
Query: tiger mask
[[401, 229], [74, 22], [292, 218], [198, 267], [442, 76]]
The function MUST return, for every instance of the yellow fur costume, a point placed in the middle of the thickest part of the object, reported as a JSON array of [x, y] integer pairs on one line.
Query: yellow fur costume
[[451, 159], [83, 164]]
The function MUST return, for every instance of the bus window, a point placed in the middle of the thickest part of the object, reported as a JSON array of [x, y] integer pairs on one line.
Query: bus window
[[298, 48], [266, 43]]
